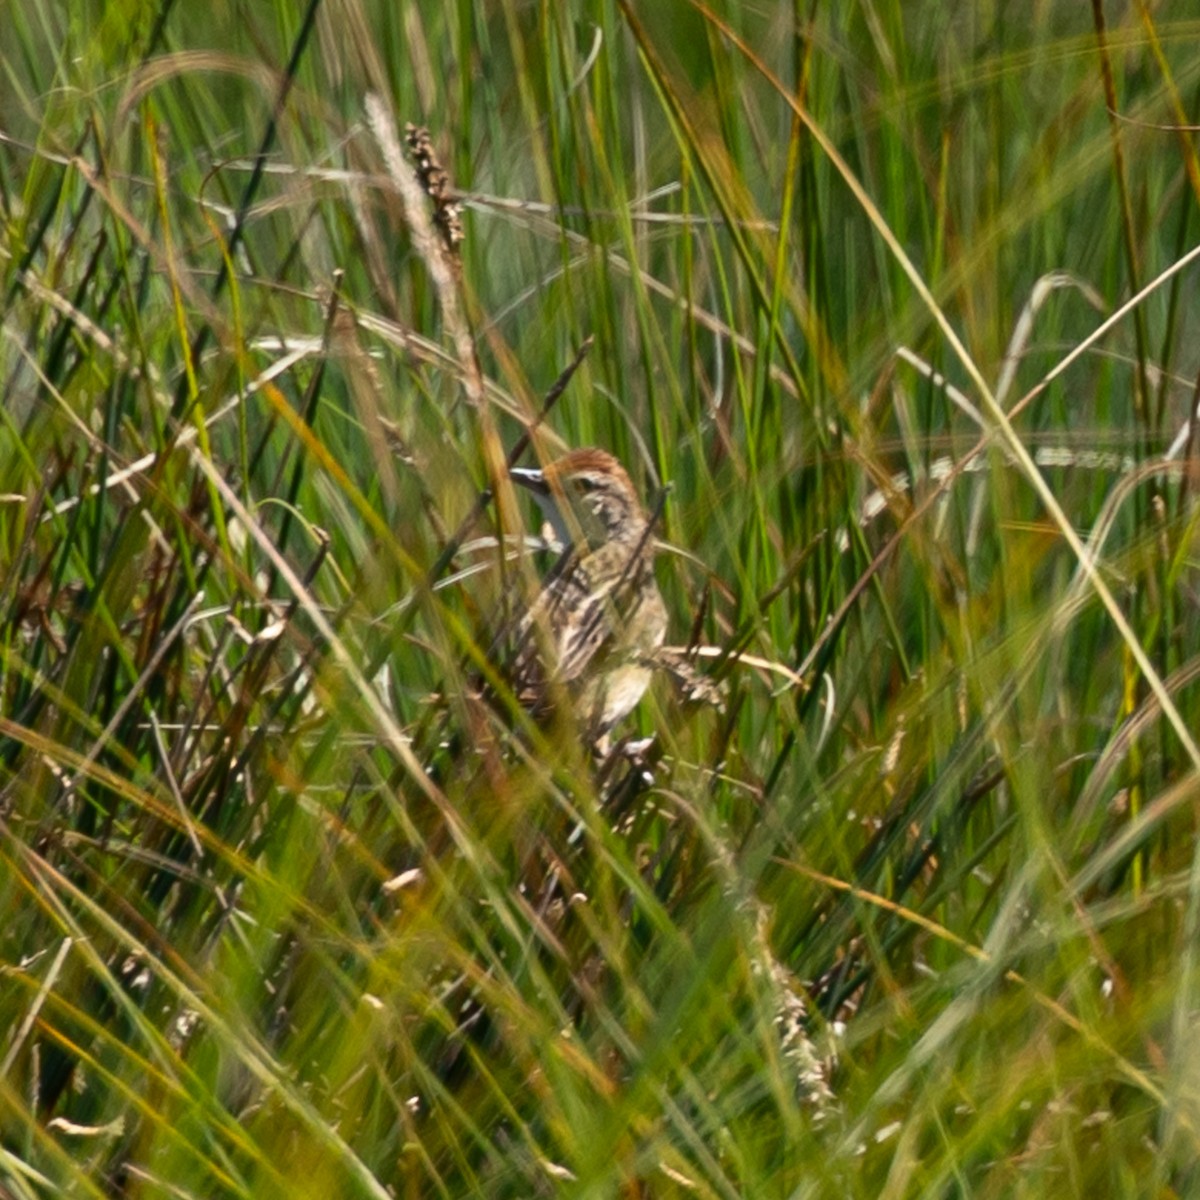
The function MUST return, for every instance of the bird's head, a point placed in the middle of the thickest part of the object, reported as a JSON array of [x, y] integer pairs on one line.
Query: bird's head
[[586, 494]]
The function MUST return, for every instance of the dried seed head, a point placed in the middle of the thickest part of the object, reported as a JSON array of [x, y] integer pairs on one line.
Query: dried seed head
[[447, 213]]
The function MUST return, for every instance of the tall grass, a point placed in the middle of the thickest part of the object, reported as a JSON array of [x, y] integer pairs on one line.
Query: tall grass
[[295, 902]]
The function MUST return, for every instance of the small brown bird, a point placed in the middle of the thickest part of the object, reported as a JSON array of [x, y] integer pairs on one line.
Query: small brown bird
[[599, 619]]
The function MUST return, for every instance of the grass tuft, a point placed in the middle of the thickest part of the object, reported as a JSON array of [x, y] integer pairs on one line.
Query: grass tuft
[[887, 307]]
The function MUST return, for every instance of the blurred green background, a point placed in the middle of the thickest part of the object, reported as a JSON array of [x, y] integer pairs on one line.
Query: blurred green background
[[288, 910]]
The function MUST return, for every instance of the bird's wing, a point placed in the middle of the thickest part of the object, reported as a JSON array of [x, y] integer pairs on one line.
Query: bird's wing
[[574, 616]]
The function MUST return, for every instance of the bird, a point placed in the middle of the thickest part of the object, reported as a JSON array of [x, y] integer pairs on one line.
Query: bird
[[598, 621]]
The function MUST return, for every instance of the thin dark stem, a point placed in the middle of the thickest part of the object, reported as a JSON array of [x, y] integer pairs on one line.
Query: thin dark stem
[[519, 447]]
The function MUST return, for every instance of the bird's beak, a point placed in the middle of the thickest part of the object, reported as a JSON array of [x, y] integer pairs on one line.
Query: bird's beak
[[531, 478]]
